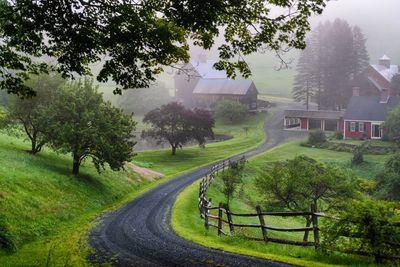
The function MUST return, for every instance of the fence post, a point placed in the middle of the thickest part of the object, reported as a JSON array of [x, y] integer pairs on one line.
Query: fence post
[[315, 226], [229, 215], [219, 219], [306, 233], [206, 214], [262, 223]]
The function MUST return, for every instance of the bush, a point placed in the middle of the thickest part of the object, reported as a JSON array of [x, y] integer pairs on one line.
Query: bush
[[366, 227], [316, 137], [7, 242], [358, 156], [338, 135], [231, 110], [388, 181]]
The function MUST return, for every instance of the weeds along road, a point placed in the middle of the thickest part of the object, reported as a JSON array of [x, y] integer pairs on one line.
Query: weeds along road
[[140, 233]]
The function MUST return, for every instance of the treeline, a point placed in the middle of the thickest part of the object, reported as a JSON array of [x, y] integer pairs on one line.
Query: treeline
[[72, 117], [332, 63]]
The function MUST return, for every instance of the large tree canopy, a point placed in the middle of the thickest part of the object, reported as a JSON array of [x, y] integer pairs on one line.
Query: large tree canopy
[[137, 38]]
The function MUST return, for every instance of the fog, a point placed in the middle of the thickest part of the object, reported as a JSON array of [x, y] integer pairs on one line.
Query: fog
[[378, 19]]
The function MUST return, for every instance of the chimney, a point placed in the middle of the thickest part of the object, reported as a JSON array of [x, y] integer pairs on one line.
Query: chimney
[[385, 61], [202, 58], [356, 91]]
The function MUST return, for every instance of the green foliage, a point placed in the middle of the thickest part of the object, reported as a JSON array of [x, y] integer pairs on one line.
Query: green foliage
[[395, 83], [338, 135], [296, 184], [392, 125], [83, 124], [316, 137], [366, 227], [231, 110], [231, 178], [177, 125], [137, 38], [358, 153], [32, 113], [7, 242], [388, 181]]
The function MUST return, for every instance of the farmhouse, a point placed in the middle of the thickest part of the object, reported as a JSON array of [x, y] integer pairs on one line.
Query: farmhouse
[[364, 115], [199, 84]]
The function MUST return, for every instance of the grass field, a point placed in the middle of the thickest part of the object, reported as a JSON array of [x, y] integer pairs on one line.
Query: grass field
[[186, 221], [49, 212], [195, 156]]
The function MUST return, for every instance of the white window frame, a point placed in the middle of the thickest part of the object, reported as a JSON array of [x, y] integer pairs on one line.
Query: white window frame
[[352, 126], [361, 129]]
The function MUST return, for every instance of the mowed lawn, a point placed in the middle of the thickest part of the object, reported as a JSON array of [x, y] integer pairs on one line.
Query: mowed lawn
[[195, 156], [186, 221], [47, 212]]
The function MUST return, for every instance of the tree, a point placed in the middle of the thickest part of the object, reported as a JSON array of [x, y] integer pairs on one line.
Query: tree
[[360, 53], [85, 125], [305, 81], [369, 227], [139, 38], [296, 184], [231, 110], [177, 125], [335, 57], [232, 178], [388, 181], [395, 83], [33, 113], [392, 125]]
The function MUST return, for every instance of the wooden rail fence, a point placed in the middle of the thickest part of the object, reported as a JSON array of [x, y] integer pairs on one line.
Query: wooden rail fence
[[223, 216]]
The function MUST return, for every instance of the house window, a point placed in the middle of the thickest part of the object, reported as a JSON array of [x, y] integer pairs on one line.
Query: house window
[[352, 126], [361, 127]]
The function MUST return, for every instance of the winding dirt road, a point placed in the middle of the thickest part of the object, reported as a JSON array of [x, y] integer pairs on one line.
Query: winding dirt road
[[140, 233]]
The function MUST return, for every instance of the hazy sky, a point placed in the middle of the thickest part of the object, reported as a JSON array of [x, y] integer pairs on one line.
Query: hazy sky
[[379, 20]]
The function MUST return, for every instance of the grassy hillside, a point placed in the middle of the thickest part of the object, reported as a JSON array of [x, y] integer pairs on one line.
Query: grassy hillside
[[186, 221], [195, 156], [47, 212]]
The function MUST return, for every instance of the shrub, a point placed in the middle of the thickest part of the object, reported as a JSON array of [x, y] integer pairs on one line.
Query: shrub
[[388, 181], [7, 242], [338, 135], [316, 137], [366, 227], [231, 110], [358, 156]]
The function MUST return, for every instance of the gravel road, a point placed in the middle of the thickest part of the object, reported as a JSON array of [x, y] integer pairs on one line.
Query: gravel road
[[140, 234]]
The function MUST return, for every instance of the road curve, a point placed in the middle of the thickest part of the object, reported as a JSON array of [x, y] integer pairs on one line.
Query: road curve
[[140, 233]]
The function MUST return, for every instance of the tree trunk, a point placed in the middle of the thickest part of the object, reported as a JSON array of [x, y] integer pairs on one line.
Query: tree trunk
[[173, 150], [76, 165], [33, 149]]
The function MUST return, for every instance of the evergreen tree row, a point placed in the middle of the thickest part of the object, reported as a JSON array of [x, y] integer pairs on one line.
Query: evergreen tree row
[[335, 57]]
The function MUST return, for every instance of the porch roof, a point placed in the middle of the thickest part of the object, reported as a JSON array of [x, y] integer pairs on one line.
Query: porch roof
[[314, 114]]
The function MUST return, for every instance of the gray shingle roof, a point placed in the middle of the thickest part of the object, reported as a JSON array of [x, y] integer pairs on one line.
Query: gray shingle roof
[[206, 69], [314, 114], [223, 87], [369, 108]]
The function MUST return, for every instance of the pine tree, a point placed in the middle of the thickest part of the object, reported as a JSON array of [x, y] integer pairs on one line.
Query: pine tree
[[304, 83], [360, 54]]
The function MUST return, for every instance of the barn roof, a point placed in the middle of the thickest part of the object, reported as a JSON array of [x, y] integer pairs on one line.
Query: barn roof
[[385, 72], [223, 87], [314, 114], [369, 108], [206, 69]]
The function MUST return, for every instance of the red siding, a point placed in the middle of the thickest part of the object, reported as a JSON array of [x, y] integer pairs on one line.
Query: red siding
[[303, 123], [357, 134]]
